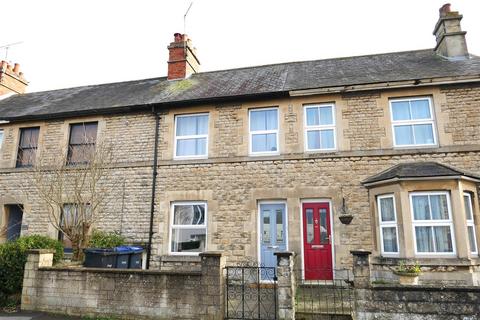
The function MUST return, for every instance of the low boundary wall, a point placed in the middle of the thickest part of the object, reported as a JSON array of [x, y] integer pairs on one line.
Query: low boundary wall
[[418, 302], [200, 294], [407, 302], [129, 294]]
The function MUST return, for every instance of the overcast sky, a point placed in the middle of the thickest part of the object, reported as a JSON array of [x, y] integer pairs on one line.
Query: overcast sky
[[74, 43]]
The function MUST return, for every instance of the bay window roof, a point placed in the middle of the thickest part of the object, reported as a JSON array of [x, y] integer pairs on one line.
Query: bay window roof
[[419, 171]]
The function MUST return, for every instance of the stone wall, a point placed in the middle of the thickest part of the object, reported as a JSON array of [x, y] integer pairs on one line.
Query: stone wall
[[404, 302], [462, 104], [417, 302], [126, 294], [364, 115]]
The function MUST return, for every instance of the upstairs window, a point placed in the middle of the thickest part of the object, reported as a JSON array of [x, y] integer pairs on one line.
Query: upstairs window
[[191, 136], [412, 122], [27, 147], [81, 145], [1, 138], [188, 227], [432, 222], [320, 127], [472, 237], [388, 224], [263, 131]]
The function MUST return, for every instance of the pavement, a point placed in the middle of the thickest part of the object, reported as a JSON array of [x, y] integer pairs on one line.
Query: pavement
[[34, 316]]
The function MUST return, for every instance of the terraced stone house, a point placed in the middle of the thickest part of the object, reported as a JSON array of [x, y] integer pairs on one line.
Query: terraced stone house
[[268, 158]]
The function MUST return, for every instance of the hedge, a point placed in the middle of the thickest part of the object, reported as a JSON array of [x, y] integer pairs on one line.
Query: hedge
[[13, 256], [102, 239]]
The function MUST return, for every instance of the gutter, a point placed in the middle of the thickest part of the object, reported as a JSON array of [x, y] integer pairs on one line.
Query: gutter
[[143, 107], [154, 185]]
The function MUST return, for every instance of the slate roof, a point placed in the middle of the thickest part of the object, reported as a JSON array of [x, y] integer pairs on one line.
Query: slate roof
[[268, 80], [418, 170]]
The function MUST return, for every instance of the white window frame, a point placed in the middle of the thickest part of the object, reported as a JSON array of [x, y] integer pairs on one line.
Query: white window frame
[[176, 138], [320, 127], [397, 123], [172, 226], [433, 223], [387, 224], [2, 134], [471, 223], [251, 134]]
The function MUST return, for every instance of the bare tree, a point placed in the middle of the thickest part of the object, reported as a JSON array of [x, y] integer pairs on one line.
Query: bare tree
[[76, 188]]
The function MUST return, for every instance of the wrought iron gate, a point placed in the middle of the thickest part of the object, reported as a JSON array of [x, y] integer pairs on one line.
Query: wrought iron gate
[[251, 293], [324, 299]]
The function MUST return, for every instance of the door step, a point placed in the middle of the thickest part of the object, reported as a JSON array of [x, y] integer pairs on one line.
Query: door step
[[321, 316]]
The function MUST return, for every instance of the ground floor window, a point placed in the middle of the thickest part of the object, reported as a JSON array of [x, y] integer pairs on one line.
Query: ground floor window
[[188, 227], [432, 222], [472, 237], [388, 224]]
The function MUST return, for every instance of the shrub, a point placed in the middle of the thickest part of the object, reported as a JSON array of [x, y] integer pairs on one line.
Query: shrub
[[41, 242], [12, 262], [102, 239], [13, 256]]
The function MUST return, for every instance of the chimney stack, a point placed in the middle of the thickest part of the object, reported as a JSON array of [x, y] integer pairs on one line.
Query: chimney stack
[[182, 60], [11, 79], [451, 41]]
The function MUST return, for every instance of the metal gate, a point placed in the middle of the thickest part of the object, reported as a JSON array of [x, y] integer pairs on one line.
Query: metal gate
[[251, 292], [324, 299]]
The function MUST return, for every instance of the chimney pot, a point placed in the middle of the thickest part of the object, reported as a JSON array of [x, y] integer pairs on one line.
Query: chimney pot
[[178, 37], [12, 80], [445, 9]]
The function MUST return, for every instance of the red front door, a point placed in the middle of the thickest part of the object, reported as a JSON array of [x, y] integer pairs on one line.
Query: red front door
[[317, 246]]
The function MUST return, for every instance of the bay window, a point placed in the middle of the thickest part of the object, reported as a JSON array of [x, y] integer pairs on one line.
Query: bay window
[[188, 227], [432, 223], [472, 237], [388, 224]]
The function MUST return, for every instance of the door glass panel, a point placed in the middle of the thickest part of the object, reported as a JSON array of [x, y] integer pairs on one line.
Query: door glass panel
[[323, 227], [266, 227], [279, 225], [309, 218]]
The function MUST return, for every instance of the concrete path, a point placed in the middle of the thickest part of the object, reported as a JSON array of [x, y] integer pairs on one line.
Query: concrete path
[[34, 316]]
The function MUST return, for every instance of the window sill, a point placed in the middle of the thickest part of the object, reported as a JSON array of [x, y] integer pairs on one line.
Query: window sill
[[190, 158], [180, 257], [431, 261], [264, 154], [415, 147]]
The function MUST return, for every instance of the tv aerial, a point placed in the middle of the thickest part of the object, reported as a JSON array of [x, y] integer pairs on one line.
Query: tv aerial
[[185, 18], [7, 47]]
